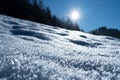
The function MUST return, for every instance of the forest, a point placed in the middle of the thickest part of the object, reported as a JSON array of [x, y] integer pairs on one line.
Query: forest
[[106, 31], [35, 11]]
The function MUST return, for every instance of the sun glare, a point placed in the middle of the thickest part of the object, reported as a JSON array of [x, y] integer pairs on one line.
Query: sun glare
[[74, 15]]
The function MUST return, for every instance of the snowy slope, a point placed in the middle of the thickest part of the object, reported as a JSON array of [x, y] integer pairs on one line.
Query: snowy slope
[[32, 51]]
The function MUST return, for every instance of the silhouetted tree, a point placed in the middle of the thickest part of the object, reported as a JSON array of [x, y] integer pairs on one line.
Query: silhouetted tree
[[35, 11]]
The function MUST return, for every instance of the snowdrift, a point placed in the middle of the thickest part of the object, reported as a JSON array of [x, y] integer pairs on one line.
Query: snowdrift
[[32, 51]]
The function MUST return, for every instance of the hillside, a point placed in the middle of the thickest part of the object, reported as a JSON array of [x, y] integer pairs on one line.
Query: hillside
[[32, 51]]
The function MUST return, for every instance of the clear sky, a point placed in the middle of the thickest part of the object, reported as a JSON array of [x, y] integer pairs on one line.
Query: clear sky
[[94, 13]]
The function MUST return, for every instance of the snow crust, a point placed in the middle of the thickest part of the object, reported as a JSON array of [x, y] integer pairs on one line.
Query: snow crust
[[32, 51]]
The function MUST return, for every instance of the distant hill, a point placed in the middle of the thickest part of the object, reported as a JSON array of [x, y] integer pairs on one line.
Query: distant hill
[[107, 32]]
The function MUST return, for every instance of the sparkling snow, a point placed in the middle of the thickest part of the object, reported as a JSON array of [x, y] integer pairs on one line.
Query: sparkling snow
[[32, 51]]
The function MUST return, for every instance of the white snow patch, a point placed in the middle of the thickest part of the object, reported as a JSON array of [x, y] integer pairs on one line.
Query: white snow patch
[[33, 51]]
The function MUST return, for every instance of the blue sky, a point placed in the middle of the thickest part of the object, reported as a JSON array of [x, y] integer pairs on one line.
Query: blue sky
[[95, 13]]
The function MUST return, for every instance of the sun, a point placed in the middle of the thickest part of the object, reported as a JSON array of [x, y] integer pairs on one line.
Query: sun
[[74, 15]]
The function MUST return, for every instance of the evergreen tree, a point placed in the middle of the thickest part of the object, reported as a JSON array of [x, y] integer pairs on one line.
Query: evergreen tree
[[35, 11], [105, 31]]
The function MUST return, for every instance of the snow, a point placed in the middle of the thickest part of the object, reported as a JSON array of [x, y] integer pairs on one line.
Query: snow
[[33, 51]]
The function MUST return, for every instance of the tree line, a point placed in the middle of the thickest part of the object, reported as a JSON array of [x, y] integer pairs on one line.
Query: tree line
[[106, 31], [35, 11]]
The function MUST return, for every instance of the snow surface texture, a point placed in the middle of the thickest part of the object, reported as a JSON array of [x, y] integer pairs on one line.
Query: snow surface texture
[[32, 51]]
